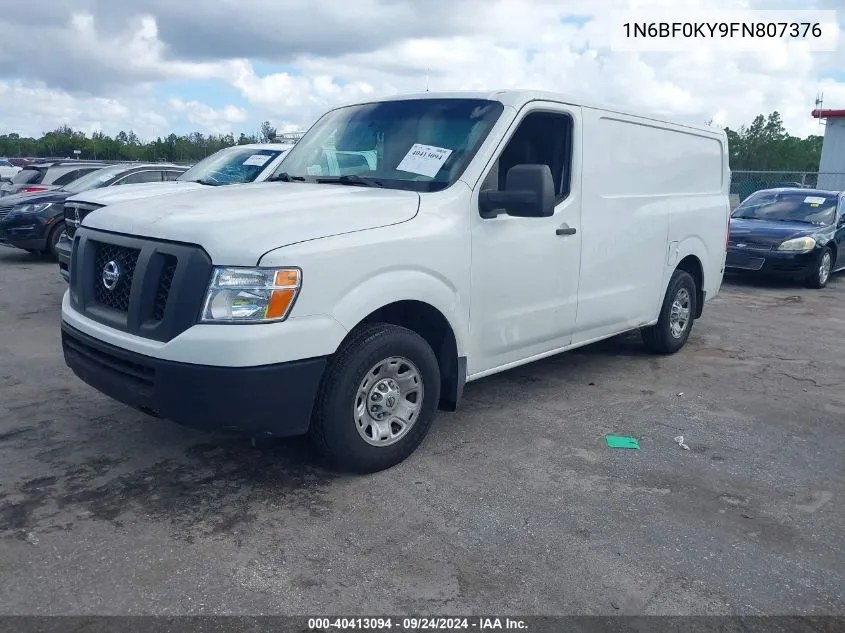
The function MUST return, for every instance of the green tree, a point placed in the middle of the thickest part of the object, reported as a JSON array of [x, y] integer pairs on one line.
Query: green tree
[[267, 132], [765, 145]]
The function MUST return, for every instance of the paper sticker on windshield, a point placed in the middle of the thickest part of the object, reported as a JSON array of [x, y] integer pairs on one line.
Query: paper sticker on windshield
[[424, 160], [259, 160], [813, 200]]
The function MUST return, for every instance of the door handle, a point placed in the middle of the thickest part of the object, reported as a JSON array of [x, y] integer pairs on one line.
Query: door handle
[[565, 230]]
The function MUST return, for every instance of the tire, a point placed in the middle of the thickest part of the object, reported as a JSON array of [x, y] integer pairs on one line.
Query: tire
[[53, 239], [663, 337], [821, 273], [340, 404]]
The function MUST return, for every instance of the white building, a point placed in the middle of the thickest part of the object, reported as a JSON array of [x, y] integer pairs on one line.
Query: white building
[[288, 137], [832, 163]]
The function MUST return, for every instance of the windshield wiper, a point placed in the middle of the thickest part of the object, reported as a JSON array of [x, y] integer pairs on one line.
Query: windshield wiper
[[206, 181], [350, 180], [285, 177]]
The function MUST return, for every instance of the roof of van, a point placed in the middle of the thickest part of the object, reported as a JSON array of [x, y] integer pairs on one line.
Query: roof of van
[[518, 98]]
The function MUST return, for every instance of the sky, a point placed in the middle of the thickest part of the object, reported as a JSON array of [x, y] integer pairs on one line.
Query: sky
[[219, 66]]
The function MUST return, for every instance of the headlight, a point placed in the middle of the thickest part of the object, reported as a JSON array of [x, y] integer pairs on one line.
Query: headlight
[[798, 244], [251, 295], [30, 209]]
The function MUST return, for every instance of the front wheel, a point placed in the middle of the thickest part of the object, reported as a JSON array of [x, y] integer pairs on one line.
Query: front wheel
[[677, 314], [53, 240], [377, 399], [821, 274]]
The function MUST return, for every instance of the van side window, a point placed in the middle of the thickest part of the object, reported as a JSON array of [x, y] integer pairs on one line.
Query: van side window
[[543, 138]]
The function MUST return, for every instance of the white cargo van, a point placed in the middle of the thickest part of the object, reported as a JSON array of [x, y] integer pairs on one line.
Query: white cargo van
[[478, 232]]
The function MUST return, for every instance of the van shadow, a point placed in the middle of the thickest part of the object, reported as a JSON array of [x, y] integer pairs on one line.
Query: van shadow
[[215, 487]]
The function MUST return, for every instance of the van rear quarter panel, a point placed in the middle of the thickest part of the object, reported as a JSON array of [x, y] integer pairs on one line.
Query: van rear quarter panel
[[646, 186]]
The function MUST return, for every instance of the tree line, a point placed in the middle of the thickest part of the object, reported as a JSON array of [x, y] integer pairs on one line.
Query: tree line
[[188, 148], [763, 145]]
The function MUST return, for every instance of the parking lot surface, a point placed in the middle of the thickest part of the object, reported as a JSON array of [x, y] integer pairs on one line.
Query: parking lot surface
[[514, 504]]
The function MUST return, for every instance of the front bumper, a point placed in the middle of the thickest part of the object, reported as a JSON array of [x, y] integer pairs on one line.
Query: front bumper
[[774, 263], [25, 231], [268, 400], [63, 250]]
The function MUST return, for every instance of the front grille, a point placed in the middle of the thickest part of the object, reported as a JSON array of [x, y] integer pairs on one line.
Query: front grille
[[75, 212], [757, 246], [125, 260], [152, 275], [4, 211], [163, 288]]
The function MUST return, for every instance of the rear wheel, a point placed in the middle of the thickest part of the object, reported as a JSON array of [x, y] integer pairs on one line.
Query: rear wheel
[[677, 314], [821, 274], [377, 399]]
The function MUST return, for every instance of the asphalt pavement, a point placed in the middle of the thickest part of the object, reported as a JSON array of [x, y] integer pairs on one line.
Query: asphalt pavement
[[514, 504]]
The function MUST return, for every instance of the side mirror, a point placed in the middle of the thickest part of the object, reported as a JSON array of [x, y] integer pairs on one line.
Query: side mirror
[[529, 193]]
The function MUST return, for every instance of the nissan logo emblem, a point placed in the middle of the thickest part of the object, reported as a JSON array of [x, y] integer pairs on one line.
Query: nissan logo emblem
[[111, 275]]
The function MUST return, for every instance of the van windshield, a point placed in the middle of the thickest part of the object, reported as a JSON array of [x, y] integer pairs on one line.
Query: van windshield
[[232, 165], [415, 144]]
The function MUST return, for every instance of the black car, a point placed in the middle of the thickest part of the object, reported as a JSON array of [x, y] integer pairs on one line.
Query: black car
[[789, 232], [35, 221]]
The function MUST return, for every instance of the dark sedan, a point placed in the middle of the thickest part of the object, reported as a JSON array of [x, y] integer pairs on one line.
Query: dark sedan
[[35, 221], [789, 232]]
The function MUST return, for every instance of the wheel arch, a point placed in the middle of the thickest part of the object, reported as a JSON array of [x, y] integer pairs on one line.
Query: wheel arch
[[692, 265], [423, 303]]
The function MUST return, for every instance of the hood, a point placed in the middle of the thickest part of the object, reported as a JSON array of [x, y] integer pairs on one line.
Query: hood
[[767, 233], [237, 224], [121, 193], [33, 197]]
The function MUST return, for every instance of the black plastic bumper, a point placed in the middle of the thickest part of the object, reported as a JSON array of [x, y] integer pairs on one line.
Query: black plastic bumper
[[63, 250], [772, 263], [29, 233], [270, 400]]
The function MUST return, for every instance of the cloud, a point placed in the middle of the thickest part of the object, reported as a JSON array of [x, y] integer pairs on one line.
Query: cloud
[[115, 64], [216, 121], [34, 108]]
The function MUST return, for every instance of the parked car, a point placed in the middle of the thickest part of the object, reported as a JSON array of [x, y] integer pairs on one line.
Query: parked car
[[239, 164], [7, 169], [494, 229], [46, 176], [34, 221], [789, 232]]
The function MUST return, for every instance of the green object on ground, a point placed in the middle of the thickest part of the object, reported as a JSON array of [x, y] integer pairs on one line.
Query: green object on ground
[[618, 441]]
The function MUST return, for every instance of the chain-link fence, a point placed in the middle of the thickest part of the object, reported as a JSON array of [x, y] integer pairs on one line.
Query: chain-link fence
[[744, 183]]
